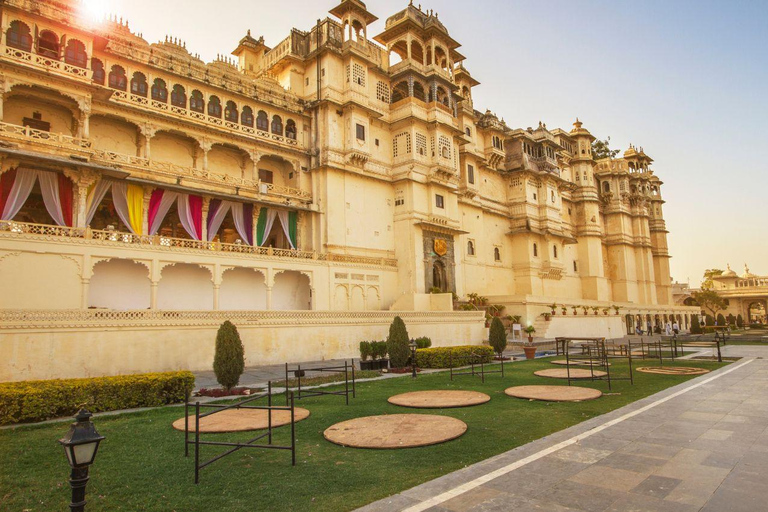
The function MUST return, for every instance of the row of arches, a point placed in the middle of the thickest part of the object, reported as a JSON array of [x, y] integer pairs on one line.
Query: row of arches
[[47, 43], [196, 101], [402, 90], [121, 284], [416, 51]]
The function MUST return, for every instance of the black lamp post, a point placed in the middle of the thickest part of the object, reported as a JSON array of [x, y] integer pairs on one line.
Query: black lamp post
[[80, 445], [413, 345]]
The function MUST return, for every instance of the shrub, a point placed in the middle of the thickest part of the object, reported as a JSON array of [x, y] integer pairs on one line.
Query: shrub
[[423, 342], [709, 320], [229, 361], [366, 350], [46, 399], [720, 319], [379, 349], [731, 319], [739, 321], [695, 327], [397, 344], [498, 336], [442, 357], [757, 326]]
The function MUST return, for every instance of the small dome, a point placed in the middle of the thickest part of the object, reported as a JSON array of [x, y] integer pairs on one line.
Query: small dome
[[729, 272]]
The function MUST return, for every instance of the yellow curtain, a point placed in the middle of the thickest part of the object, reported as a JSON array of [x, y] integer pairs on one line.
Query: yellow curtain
[[135, 200]]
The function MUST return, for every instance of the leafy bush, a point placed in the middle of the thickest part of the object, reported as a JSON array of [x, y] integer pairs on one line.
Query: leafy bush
[[695, 327], [397, 344], [379, 349], [229, 361], [739, 321], [709, 320], [366, 350], [442, 357], [720, 319], [731, 319], [46, 399], [498, 336], [423, 342]]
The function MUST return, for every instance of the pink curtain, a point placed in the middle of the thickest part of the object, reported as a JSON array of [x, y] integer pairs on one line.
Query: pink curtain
[[22, 187], [217, 212], [191, 214], [159, 204], [242, 214]]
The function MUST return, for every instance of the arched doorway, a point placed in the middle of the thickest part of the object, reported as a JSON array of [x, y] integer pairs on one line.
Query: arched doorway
[[439, 276], [757, 313]]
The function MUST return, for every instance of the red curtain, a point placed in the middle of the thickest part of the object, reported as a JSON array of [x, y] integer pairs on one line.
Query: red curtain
[[65, 196], [6, 183]]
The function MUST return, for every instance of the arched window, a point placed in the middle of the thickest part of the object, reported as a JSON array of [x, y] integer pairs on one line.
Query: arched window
[[496, 254], [48, 44], [471, 248], [554, 250], [214, 107], [159, 90], [98, 71], [262, 121], [418, 91], [117, 78], [290, 129], [230, 112], [246, 117], [535, 250], [399, 92], [179, 96], [196, 102], [19, 36], [277, 125], [606, 187], [75, 54], [139, 84]]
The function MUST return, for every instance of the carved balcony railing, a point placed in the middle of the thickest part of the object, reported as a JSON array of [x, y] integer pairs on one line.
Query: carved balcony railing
[[27, 134], [44, 63], [198, 117], [88, 236]]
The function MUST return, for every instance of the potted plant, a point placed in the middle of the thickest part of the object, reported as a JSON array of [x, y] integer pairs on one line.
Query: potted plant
[[366, 351], [585, 309], [605, 311], [574, 308], [595, 309], [616, 308], [380, 350], [529, 348], [553, 308], [546, 316], [564, 309]]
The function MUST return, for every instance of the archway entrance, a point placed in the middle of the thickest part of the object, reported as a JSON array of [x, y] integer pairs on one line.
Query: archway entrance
[[439, 277], [757, 313]]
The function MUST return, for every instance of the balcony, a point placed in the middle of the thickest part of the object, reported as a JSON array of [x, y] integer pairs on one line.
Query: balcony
[[10, 230], [45, 64], [201, 118], [66, 143]]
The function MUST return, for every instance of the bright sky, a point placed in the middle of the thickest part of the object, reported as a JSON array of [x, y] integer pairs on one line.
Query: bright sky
[[686, 79]]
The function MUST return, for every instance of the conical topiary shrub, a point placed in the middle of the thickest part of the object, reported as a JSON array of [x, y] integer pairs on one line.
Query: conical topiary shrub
[[497, 336], [397, 344], [229, 361]]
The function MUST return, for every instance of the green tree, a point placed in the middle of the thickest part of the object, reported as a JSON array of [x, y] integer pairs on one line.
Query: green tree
[[695, 326], [229, 360], [498, 336], [708, 283], [397, 343], [709, 320], [709, 300], [739, 321], [720, 319], [601, 149]]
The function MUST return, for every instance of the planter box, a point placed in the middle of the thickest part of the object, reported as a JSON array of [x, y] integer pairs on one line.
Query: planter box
[[369, 365], [530, 352], [381, 364]]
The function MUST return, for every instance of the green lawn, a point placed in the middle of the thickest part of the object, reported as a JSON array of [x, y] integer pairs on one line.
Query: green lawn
[[141, 466]]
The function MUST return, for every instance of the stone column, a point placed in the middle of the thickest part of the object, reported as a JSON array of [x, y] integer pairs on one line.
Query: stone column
[[85, 291], [205, 147], [206, 207], [148, 131], [84, 130], [82, 180], [145, 215], [153, 295], [216, 288], [269, 298]]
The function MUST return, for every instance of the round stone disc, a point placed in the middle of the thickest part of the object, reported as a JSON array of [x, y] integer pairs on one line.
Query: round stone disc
[[554, 393], [394, 431], [241, 420], [576, 373], [673, 370], [574, 362], [439, 399]]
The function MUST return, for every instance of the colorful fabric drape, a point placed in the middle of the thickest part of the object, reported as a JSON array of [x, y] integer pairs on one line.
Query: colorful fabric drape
[[242, 214], [191, 214], [129, 205], [56, 189], [95, 197], [159, 204], [293, 220], [288, 223], [261, 226], [284, 223]]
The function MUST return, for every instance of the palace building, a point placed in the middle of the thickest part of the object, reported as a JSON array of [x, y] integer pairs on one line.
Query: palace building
[[308, 191]]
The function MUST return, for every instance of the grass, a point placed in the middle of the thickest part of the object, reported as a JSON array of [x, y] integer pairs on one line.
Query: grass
[[326, 379], [141, 467]]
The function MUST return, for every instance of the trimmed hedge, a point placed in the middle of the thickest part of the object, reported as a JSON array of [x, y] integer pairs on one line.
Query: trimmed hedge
[[441, 357], [423, 342], [29, 401]]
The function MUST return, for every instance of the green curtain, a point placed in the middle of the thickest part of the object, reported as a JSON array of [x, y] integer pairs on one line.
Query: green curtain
[[261, 225], [292, 226]]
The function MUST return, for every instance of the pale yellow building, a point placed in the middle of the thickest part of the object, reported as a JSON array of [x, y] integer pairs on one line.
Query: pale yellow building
[[308, 191]]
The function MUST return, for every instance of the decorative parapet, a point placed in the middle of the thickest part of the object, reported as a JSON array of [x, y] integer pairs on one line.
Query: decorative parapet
[[27, 134], [88, 236], [45, 64], [95, 318]]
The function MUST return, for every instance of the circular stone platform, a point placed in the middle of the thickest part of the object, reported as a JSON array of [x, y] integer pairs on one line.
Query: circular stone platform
[[554, 393], [395, 431], [439, 399], [574, 362], [576, 373], [673, 370], [241, 420]]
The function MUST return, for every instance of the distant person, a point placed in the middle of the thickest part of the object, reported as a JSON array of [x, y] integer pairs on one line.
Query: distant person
[[676, 328], [649, 328], [638, 330], [668, 328]]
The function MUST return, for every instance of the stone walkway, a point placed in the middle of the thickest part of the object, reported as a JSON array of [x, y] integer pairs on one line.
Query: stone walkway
[[700, 446]]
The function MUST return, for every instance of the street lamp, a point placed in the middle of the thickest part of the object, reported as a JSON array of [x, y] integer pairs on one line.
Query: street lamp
[[80, 445], [413, 346]]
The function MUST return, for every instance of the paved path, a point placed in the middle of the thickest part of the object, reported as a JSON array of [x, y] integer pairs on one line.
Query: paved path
[[700, 446]]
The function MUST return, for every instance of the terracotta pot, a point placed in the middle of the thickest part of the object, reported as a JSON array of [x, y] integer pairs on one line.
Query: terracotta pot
[[530, 352]]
